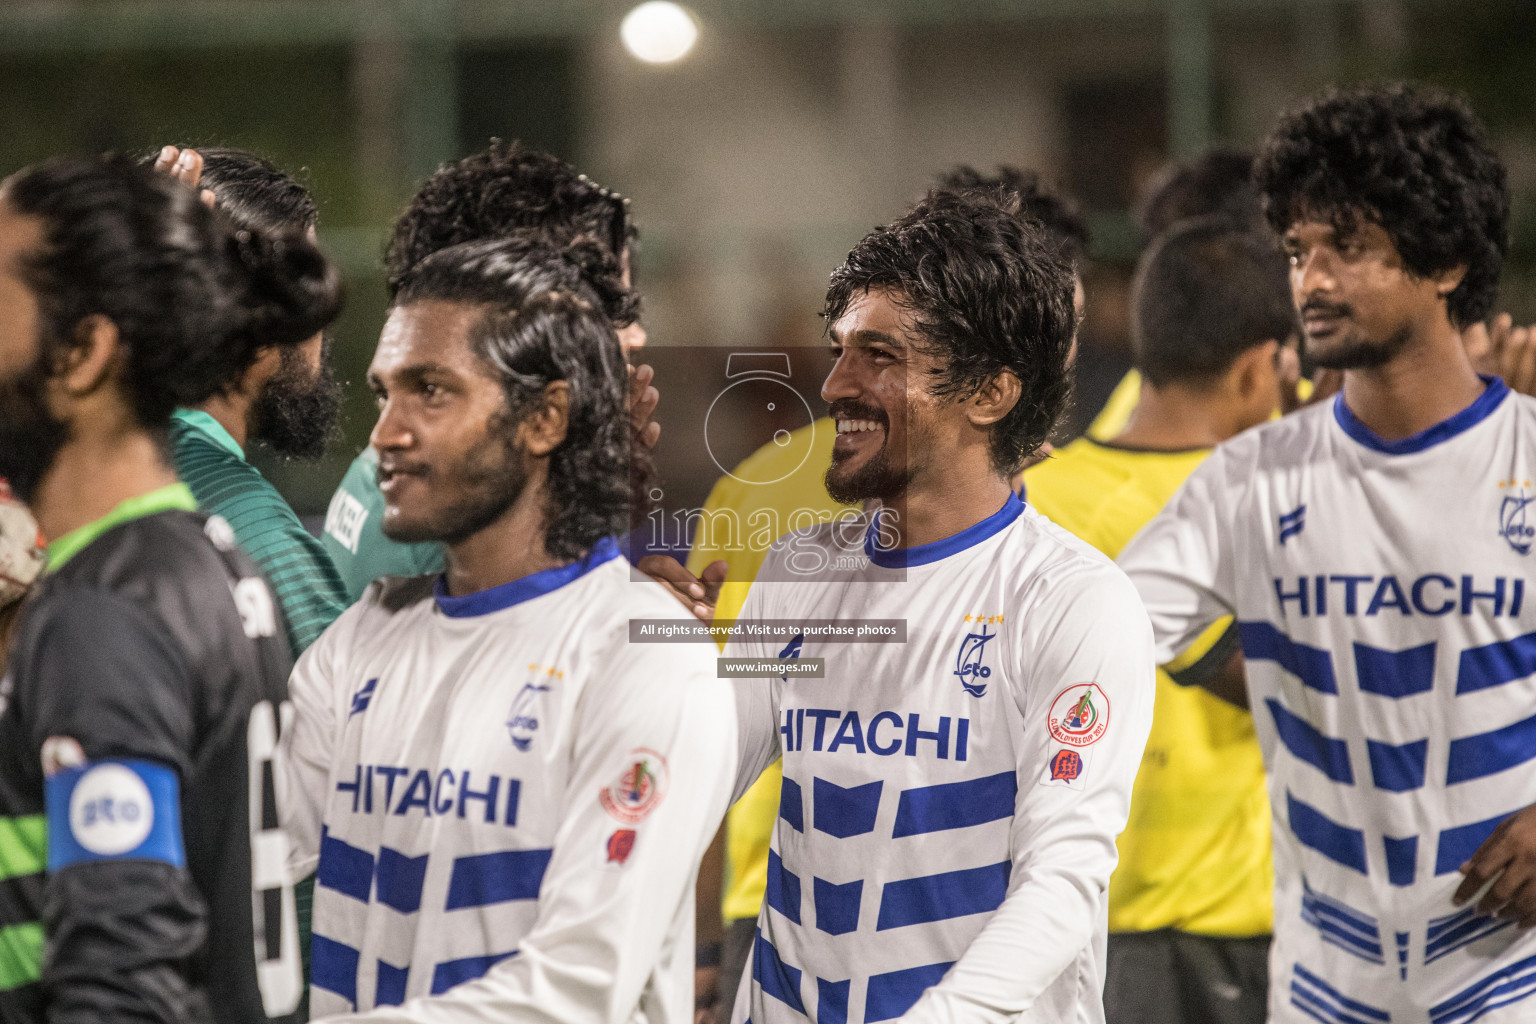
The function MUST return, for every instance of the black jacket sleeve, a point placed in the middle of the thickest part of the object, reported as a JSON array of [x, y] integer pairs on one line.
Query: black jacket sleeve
[[123, 935]]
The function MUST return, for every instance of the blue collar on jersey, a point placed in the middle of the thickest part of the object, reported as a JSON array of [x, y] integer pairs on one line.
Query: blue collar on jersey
[[1446, 429], [483, 602], [904, 558]]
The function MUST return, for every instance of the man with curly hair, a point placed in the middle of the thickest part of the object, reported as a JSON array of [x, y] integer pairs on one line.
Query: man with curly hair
[[504, 799], [950, 799], [506, 189], [1374, 552]]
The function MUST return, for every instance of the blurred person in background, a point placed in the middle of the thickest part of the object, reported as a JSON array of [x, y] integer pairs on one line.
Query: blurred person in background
[[288, 400], [507, 189], [1374, 552], [1189, 903], [949, 801], [148, 666], [719, 572], [465, 876]]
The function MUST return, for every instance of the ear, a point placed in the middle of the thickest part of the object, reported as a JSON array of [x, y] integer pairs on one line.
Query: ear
[[1255, 370], [995, 400], [545, 426], [87, 363], [1448, 281]]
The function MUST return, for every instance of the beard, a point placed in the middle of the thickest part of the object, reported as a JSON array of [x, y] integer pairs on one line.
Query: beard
[[878, 478], [30, 436], [1353, 352], [488, 479], [295, 414]]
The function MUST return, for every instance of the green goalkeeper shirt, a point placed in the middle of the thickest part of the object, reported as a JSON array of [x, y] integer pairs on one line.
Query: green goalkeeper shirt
[[213, 464]]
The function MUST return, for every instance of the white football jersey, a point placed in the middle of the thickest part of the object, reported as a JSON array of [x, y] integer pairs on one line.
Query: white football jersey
[[950, 803], [507, 800], [1381, 595]]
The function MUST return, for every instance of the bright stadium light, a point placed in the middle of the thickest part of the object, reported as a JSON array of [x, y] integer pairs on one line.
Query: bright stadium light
[[659, 32]]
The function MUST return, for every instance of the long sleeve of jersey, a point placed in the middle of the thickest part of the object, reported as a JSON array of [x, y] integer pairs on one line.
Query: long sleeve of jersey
[[757, 730], [1063, 836], [1181, 563], [603, 919], [120, 933]]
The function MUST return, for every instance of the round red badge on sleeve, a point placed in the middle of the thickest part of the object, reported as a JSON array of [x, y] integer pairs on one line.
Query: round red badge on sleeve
[[1079, 715]]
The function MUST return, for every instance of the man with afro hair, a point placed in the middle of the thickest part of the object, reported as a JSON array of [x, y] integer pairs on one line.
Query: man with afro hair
[[1374, 550]]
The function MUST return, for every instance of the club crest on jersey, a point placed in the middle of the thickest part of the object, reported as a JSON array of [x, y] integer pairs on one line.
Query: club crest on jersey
[[968, 659], [1079, 715], [1514, 515], [523, 720], [639, 787], [1066, 766]]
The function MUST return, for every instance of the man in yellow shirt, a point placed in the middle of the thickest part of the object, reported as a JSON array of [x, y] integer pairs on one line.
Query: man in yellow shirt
[[1190, 903]]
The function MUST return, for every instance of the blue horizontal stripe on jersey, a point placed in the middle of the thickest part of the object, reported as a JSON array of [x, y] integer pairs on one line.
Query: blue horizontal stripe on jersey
[[888, 996], [943, 896], [843, 812], [955, 805], [400, 880], [1480, 668], [1322, 1001], [783, 888], [1448, 934], [1343, 927], [1402, 859], [344, 868], [832, 1001], [456, 972], [487, 878], [773, 975], [1461, 842], [1473, 757], [792, 804], [1312, 828], [333, 967], [1325, 753], [1395, 674], [389, 988], [1312, 665], [1481, 408], [1506, 985], [837, 906], [1397, 769]]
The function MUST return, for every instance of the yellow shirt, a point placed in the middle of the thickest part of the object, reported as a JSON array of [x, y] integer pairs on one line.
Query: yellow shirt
[[741, 521], [1195, 854], [1123, 400]]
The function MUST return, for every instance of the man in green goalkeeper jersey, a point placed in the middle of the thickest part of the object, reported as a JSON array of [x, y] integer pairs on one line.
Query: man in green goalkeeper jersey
[[288, 400]]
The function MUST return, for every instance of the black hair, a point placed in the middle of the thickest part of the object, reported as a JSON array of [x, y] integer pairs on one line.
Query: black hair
[[507, 188], [255, 193], [989, 292], [1022, 192], [544, 322], [1411, 159], [193, 297], [1218, 183], [1206, 292]]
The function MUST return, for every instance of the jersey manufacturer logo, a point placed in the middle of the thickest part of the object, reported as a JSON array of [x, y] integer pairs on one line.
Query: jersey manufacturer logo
[[363, 697], [1066, 766], [620, 844], [792, 651], [1514, 526], [638, 789], [1079, 715], [1292, 523], [523, 719], [968, 660]]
